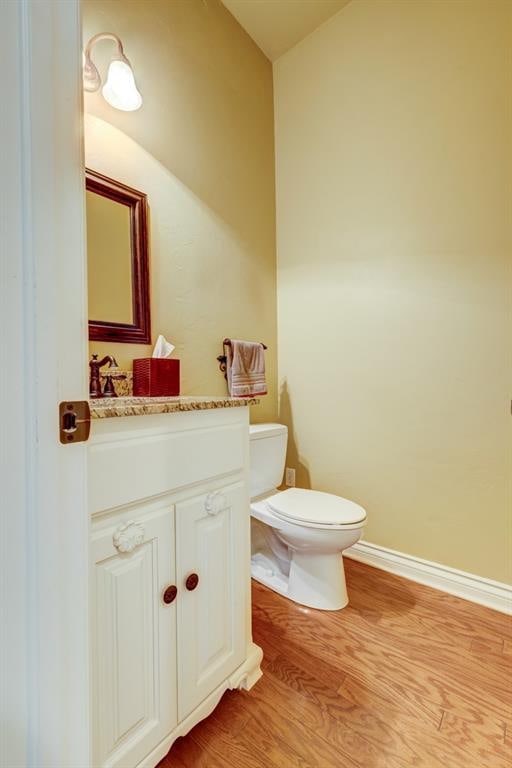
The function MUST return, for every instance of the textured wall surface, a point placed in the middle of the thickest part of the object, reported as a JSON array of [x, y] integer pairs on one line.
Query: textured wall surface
[[394, 168]]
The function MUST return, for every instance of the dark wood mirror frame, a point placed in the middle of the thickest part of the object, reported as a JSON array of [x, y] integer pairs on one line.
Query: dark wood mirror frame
[[140, 331]]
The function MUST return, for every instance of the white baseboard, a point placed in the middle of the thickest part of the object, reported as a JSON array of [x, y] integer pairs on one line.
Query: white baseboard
[[492, 594]]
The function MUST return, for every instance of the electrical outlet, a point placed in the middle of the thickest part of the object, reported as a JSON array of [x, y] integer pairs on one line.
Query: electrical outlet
[[289, 477]]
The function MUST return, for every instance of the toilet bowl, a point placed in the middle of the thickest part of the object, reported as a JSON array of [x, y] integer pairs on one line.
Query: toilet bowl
[[297, 535]]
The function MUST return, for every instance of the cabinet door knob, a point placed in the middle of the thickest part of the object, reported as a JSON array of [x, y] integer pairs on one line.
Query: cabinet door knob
[[170, 594], [192, 581]]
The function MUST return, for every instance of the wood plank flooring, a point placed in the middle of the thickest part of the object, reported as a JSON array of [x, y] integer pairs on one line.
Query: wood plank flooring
[[404, 676]]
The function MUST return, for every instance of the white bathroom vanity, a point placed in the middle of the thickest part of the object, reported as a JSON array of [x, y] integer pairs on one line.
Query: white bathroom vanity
[[170, 570]]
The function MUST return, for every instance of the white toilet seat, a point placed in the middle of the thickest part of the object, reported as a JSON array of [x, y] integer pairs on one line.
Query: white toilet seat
[[315, 509]]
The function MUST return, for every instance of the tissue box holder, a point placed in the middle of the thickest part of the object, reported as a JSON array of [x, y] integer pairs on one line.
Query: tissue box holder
[[156, 377]]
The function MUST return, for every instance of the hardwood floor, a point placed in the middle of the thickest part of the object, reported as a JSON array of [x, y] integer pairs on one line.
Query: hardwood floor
[[404, 676]]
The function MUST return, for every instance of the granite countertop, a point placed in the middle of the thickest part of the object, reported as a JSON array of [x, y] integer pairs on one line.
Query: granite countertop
[[108, 407]]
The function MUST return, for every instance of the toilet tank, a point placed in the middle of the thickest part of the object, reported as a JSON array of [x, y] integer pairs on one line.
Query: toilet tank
[[267, 443]]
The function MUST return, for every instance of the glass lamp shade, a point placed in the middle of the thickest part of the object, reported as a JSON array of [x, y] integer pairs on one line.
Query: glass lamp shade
[[120, 90]]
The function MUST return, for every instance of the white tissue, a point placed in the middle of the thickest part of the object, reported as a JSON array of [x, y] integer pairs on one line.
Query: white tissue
[[163, 348]]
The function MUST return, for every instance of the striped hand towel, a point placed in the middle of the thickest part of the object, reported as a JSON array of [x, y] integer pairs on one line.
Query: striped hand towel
[[246, 369]]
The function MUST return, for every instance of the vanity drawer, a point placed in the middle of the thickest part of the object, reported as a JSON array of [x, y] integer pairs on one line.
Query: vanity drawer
[[128, 468]]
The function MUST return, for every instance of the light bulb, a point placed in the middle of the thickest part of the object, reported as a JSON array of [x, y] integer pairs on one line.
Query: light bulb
[[120, 90]]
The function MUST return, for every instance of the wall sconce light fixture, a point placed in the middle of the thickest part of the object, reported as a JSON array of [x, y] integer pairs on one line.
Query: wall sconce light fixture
[[119, 90]]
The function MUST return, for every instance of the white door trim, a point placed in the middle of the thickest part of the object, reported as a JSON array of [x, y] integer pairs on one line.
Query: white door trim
[[43, 331], [492, 594]]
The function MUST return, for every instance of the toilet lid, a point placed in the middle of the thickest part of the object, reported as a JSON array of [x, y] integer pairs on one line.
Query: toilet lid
[[317, 507]]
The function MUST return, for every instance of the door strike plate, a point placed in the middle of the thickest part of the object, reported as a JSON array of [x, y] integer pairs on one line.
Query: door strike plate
[[74, 421]]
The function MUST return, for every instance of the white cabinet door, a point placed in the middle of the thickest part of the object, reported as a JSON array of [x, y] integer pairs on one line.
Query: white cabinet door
[[134, 635], [212, 533]]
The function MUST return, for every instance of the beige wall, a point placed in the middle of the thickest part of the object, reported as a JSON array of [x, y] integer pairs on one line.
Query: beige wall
[[393, 147], [202, 149]]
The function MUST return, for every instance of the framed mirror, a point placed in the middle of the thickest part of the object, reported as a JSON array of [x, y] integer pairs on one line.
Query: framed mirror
[[117, 261]]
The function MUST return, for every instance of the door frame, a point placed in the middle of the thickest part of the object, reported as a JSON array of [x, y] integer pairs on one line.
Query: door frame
[[44, 664]]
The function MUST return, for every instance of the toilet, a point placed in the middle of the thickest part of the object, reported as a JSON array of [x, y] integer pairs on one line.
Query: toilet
[[297, 535]]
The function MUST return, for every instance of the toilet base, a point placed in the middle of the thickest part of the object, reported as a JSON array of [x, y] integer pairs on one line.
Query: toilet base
[[316, 581], [265, 571]]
